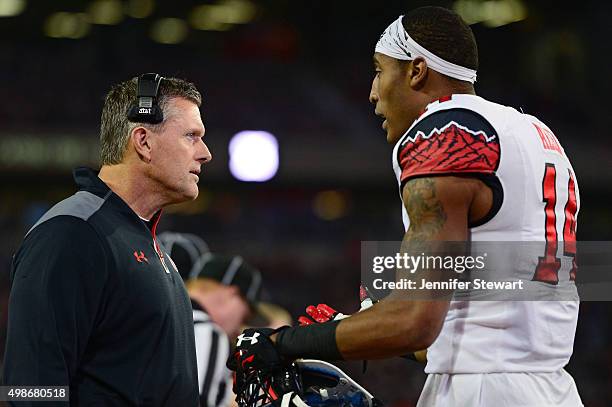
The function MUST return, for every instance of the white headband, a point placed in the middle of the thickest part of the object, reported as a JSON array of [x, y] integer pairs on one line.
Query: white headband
[[396, 43]]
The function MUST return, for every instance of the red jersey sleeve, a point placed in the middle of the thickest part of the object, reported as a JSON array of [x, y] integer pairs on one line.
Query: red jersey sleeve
[[447, 142]]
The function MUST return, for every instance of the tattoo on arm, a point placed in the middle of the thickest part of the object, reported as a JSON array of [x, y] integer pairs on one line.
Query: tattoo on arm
[[427, 216]]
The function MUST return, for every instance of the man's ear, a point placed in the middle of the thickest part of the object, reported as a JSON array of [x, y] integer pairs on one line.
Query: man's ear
[[140, 139], [417, 73]]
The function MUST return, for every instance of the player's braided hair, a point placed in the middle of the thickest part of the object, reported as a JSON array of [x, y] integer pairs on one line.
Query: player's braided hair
[[115, 128], [444, 33]]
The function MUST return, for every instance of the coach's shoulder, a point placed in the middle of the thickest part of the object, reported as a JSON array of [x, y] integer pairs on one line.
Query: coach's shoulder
[[62, 229], [61, 242], [81, 205]]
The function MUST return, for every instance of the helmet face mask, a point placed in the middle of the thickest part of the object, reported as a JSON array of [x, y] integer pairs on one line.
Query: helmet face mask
[[257, 388], [311, 383]]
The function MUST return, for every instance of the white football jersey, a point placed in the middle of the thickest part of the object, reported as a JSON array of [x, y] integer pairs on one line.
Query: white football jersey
[[536, 198]]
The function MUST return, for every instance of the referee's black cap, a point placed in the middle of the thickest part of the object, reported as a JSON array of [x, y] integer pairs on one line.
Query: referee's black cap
[[231, 270], [193, 259]]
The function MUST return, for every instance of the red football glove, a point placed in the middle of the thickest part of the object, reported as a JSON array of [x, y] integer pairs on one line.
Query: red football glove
[[323, 312], [319, 314]]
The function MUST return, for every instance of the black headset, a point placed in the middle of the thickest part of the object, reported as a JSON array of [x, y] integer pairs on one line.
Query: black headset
[[146, 110]]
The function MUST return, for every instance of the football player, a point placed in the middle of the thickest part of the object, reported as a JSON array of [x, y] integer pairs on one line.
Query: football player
[[468, 169]]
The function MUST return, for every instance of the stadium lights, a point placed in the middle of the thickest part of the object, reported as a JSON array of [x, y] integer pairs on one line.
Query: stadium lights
[[220, 16], [253, 156], [492, 13], [201, 18], [169, 31], [139, 8], [105, 12], [11, 8], [66, 25], [330, 205], [37, 152]]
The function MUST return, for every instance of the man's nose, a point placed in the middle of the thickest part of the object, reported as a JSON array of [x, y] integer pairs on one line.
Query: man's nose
[[204, 155], [373, 94]]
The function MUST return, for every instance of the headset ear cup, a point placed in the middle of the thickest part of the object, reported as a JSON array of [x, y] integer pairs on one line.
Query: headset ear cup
[[146, 109]]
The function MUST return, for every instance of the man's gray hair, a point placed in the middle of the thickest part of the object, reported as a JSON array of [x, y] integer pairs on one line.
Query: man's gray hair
[[115, 128]]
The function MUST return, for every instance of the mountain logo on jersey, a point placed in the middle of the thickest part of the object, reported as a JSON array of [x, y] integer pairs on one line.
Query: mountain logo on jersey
[[448, 142], [437, 132]]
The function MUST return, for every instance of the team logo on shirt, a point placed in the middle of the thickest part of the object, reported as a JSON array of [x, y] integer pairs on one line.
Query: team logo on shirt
[[140, 257]]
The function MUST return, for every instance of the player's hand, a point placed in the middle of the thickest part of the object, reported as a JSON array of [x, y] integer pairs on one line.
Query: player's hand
[[254, 349], [319, 314], [323, 312], [254, 352]]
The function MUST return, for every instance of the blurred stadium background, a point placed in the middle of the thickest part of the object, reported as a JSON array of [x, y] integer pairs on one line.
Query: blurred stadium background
[[300, 70]]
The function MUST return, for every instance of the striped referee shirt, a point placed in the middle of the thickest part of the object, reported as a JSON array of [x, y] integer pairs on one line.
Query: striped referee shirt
[[212, 351]]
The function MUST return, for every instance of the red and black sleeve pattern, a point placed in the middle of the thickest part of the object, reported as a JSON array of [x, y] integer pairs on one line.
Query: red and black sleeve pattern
[[454, 141]]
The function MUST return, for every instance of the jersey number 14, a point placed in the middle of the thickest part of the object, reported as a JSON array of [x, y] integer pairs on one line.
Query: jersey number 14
[[548, 266]]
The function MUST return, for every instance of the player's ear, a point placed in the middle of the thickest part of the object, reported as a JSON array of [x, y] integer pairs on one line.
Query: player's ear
[[417, 72], [140, 139]]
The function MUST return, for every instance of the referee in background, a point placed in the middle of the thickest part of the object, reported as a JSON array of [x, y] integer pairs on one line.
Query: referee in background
[[225, 293]]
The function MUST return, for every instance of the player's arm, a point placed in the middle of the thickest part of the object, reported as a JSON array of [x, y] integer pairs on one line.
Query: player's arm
[[57, 286], [438, 208], [448, 163], [443, 161]]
